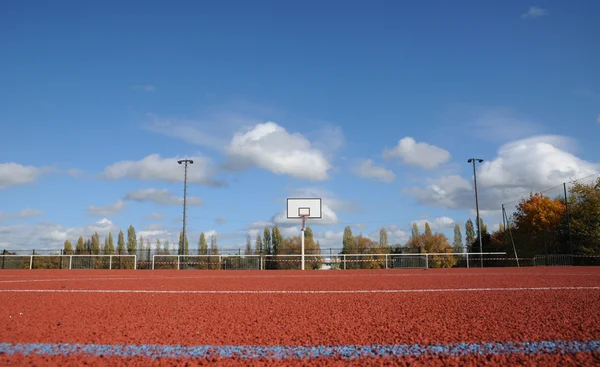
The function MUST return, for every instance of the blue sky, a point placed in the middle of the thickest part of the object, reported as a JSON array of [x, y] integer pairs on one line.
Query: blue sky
[[373, 106]]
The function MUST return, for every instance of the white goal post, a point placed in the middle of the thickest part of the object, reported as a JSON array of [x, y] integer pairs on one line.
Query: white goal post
[[68, 261]]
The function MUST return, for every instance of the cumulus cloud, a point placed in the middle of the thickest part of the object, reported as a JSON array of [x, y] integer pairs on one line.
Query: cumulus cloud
[[417, 154], [12, 174], [161, 197], [25, 213], [534, 12], [154, 216], [155, 168], [270, 147], [523, 166], [436, 224], [107, 210], [51, 236], [367, 169]]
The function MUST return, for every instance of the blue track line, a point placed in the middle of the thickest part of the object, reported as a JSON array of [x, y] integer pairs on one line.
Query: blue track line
[[156, 351]]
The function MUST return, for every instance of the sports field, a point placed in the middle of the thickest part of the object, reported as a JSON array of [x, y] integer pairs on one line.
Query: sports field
[[494, 316]]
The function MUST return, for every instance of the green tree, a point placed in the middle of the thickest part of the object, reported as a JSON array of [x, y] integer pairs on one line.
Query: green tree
[[457, 245], [121, 243], [428, 229], [131, 240], [383, 237], [141, 248], [584, 211], [348, 243], [248, 250], [415, 238], [276, 240], [157, 248], [259, 244], [68, 248], [109, 248], [202, 245], [95, 244], [80, 247], [469, 235], [214, 248], [166, 248], [268, 245]]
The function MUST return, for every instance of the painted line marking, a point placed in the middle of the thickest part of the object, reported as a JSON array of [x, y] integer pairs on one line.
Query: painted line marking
[[155, 351], [333, 291], [293, 276]]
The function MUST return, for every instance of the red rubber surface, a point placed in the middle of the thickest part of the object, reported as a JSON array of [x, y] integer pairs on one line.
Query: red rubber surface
[[302, 319]]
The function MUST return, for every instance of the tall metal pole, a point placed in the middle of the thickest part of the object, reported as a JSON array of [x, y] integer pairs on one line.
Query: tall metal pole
[[185, 161], [568, 218], [474, 160]]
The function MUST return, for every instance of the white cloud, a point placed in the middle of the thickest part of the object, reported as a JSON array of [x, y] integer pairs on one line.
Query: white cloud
[[329, 217], [155, 216], [523, 166], [153, 167], [25, 213], [366, 169], [436, 224], [107, 210], [271, 147], [157, 231], [394, 235], [418, 154], [534, 12], [329, 198], [15, 174], [161, 197], [500, 124]]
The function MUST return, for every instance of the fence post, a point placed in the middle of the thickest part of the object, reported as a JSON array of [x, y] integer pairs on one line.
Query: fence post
[[3, 257], [70, 261], [426, 261], [344, 260], [386, 261], [178, 262], [31, 262], [109, 262]]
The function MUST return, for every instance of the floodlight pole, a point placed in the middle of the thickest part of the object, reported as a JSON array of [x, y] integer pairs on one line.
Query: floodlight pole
[[302, 239], [474, 160], [185, 161]]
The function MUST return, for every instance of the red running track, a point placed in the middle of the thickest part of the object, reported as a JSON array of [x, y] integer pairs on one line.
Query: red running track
[[388, 307]]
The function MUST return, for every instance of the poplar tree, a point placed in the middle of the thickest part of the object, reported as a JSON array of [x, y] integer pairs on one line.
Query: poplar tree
[[80, 247], [109, 248], [383, 238], [347, 241], [259, 244], [248, 250], [457, 245], [95, 244], [131, 240], [469, 235], [267, 245], [121, 243], [202, 245], [68, 248]]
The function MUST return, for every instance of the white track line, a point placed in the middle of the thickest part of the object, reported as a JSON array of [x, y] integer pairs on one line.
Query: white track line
[[290, 276], [355, 291]]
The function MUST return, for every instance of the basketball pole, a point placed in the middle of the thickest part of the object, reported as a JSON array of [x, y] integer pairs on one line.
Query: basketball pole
[[302, 239]]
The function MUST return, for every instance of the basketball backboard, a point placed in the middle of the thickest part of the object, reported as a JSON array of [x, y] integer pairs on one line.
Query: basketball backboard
[[310, 207]]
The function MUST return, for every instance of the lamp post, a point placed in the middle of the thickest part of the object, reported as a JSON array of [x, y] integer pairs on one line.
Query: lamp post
[[475, 160], [184, 161]]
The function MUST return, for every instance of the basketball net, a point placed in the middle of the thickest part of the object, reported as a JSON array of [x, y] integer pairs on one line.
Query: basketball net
[[303, 220]]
